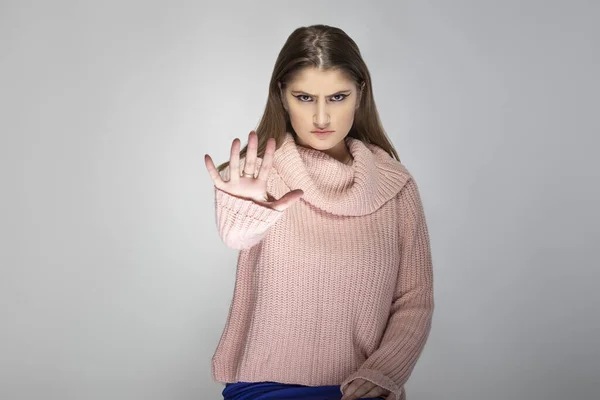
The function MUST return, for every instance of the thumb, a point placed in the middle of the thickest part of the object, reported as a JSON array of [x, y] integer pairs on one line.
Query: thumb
[[287, 200]]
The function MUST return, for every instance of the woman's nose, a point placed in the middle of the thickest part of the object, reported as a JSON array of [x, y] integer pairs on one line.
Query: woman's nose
[[321, 119]]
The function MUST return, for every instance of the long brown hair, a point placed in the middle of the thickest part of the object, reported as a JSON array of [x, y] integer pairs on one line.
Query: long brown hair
[[324, 47]]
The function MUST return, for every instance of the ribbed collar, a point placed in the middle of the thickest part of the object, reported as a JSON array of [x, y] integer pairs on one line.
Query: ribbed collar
[[332, 186]]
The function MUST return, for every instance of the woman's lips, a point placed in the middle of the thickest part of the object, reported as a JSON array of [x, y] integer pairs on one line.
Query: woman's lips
[[322, 133]]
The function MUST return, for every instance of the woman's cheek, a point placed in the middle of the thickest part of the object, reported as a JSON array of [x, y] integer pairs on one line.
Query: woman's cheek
[[300, 117]]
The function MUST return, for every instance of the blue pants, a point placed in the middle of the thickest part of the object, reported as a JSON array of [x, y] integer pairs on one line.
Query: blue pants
[[281, 391]]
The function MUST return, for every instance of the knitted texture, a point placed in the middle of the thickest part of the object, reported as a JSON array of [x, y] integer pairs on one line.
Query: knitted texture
[[338, 286]]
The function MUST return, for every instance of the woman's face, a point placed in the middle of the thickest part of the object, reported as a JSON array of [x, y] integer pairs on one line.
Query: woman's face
[[322, 100]]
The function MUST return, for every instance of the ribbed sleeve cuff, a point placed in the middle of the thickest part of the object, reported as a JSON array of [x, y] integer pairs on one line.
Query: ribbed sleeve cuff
[[242, 222], [377, 378]]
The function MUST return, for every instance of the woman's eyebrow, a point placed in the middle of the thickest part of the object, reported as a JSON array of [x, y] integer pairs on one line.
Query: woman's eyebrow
[[329, 95]]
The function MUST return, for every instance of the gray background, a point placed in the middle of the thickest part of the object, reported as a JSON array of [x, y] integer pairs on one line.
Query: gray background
[[114, 282]]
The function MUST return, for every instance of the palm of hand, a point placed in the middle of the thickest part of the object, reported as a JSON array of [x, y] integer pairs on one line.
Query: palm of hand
[[250, 186]]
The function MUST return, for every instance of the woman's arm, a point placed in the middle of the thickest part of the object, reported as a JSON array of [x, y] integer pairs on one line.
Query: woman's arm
[[411, 312], [241, 223]]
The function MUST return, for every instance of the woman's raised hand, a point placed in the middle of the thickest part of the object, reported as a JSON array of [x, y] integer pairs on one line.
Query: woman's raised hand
[[244, 184]]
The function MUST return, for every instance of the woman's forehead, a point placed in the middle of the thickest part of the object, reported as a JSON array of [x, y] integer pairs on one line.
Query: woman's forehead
[[316, 80]]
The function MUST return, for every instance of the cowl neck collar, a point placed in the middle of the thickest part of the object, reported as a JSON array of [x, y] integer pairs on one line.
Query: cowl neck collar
[[334, 187]]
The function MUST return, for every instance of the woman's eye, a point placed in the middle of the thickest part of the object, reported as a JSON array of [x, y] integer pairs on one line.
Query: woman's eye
[[302, 95], [343, 96]]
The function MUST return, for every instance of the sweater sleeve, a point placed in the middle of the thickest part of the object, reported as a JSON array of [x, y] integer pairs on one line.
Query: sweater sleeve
[[411, 310], [241, 223]]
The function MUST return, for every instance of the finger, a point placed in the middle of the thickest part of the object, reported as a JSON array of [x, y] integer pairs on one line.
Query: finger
[[350, 392], [250, 164], [267, 162], [287, 200], [375, 392], [364, 389], [212, 170], [234, 161]]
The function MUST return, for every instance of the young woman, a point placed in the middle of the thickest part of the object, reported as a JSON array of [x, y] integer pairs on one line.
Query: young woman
[[334, 287]]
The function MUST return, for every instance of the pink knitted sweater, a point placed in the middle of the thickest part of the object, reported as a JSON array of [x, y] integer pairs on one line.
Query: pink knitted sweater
[[338, 286]]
